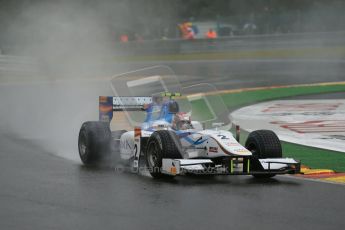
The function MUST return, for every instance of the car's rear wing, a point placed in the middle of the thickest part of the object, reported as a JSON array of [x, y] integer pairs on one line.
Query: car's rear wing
[[109, 104]]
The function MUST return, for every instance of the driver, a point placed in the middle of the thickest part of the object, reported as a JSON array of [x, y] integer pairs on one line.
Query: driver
[[181, 121], [153, 109]]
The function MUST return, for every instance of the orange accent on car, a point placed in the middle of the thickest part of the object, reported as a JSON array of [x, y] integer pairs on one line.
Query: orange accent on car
[[103, 99], [173, 170], [105, 108], [137, 131]]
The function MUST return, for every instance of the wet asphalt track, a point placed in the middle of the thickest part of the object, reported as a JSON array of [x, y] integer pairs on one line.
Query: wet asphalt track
[[41, 191], [225, 74], [44, 186]]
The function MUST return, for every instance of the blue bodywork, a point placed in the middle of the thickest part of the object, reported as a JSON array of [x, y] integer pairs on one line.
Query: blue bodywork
[[158, 112], [163, 111]]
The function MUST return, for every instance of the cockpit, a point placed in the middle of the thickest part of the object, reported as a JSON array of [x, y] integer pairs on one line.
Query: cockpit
[[169, 112]]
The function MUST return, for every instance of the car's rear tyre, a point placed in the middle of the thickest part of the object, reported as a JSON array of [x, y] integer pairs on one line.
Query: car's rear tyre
[[161, 144], [264, 144], [94, 142]]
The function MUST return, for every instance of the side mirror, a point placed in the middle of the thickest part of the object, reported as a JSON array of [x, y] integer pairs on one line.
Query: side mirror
[[217, 125], [197, 125]]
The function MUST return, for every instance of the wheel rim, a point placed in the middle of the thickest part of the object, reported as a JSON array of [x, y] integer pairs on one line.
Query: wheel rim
[[82, 149], [152, 155], [82, 146]]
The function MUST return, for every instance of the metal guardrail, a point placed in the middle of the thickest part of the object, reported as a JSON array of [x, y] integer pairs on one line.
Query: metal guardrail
[[253, 42], [27, 66]]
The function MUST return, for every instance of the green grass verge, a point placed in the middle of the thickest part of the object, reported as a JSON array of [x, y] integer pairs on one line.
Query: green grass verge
[[315, 157], [235, 100], [312, 157]]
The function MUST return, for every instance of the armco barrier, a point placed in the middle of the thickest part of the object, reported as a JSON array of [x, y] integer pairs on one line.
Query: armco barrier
[[23, 66], [253, 42]]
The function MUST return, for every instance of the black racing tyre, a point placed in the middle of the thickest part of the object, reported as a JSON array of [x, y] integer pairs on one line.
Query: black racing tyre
[[264, 144], [161, 144], [94, 142]]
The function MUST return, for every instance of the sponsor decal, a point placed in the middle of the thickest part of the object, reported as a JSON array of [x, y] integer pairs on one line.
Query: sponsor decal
[[103, 99], [105, 108], [232, 144], [241, 150], [223, 137], [213, 149], [159, 126], [283, 107], [124, 144], [319, 126]]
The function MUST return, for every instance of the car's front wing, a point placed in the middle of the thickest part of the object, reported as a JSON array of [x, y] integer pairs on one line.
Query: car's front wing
[[234, 166]]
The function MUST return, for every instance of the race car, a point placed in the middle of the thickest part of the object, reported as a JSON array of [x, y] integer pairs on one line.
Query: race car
[[171, 143]]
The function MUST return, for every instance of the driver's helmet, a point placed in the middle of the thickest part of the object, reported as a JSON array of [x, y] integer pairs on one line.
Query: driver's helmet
[[181, 121]]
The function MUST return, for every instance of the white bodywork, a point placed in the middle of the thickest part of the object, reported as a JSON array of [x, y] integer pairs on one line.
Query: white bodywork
[[276, 163], [220, 143], [127, 145], [200, 146], [204, 143]]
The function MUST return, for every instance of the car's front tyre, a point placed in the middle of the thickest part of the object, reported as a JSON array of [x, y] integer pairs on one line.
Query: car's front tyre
[[264, 144], [161, 144]]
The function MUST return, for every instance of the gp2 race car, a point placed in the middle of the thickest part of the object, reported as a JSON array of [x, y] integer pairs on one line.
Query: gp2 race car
[[172, 144]]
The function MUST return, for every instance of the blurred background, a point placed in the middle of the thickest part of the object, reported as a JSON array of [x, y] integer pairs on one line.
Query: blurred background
[[164, 19], [77, 34], [58, 56], [63, 52]]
